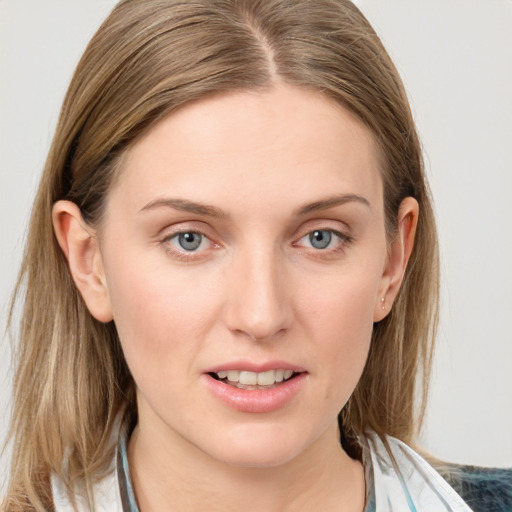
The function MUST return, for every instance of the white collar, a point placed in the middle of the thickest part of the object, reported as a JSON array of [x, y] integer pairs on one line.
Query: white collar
[[403, 481]]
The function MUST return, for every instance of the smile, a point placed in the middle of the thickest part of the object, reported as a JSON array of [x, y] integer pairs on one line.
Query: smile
[[256, 392], [244, 379]]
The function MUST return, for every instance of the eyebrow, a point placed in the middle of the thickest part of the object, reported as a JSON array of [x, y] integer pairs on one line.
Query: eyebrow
[[331, 202], [185, 205]]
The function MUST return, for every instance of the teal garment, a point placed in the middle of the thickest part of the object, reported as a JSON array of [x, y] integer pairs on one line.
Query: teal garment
[[125, 483], [483, 489]]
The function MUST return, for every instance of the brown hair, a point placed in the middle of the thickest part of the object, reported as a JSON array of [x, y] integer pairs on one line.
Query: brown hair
[[147, 59]]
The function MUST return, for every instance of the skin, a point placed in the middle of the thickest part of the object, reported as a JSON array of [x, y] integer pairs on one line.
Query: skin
[[255, 290]]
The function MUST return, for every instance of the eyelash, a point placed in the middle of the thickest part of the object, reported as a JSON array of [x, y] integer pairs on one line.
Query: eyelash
[[189, 256]]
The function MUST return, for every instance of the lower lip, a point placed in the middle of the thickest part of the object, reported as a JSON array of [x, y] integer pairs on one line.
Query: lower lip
[[256, 400]]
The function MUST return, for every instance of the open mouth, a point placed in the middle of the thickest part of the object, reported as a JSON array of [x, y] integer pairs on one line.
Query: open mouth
[[243, 379]]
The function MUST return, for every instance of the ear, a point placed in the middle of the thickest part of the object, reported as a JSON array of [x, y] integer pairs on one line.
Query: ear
[[398, 255], [80, 247]]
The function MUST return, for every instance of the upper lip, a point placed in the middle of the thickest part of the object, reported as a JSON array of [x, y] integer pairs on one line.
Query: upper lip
[[252, 366]]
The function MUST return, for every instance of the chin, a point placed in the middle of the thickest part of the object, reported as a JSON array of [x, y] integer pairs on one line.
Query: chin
[[257, 447], [254, 457]]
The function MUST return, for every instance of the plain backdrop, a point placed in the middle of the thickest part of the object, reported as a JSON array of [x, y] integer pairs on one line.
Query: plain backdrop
[[455, 57]]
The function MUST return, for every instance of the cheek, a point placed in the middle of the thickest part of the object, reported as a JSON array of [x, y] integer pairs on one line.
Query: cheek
[[339, 317], [161, 313], [343, 303]]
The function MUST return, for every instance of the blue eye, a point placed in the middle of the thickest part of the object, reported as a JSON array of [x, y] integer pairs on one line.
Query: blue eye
[[320, 239], [189, 241]]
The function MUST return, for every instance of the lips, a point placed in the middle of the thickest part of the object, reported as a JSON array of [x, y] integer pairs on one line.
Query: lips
[[256, 388]]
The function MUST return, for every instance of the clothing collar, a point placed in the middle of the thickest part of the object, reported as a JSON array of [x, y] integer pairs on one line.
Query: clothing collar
[[397, 479]]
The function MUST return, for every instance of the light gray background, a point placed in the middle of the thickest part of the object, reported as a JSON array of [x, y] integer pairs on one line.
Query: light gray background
[[455, 57]]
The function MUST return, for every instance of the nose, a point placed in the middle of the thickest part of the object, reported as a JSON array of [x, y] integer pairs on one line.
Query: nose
[[258, 305]]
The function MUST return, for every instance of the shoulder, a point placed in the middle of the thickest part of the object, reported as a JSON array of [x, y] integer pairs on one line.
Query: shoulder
[[483, 489], [105, 496], [398, 478]]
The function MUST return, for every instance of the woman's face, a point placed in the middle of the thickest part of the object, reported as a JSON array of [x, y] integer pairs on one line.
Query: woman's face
[[244, 241]]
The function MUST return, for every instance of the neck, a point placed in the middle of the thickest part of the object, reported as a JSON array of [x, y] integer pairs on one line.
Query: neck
[[169, 474]]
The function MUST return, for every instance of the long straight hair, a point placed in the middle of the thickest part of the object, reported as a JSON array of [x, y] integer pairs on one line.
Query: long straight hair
[[147, 59]]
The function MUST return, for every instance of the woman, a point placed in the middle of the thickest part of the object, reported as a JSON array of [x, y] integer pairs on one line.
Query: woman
[[237, 244]]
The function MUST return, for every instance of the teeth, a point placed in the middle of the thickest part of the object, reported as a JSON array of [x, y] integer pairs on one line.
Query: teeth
[[233, 375], [247, 378], [266, 378]]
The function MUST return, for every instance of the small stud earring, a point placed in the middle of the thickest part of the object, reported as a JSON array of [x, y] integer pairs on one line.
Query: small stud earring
[[382, 300]]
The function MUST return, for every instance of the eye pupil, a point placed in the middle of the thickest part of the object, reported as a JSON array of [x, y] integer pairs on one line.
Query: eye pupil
[[320, 239], [190, 241]]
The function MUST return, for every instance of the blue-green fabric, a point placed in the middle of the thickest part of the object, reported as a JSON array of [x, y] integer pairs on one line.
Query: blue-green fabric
[[125, 482], [483, 489]]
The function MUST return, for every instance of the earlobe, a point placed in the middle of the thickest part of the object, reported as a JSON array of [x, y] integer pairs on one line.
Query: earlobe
[[399, 253], [80, 246]]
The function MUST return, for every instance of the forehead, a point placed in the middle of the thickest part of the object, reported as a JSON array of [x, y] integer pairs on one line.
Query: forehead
[[282, 142]]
